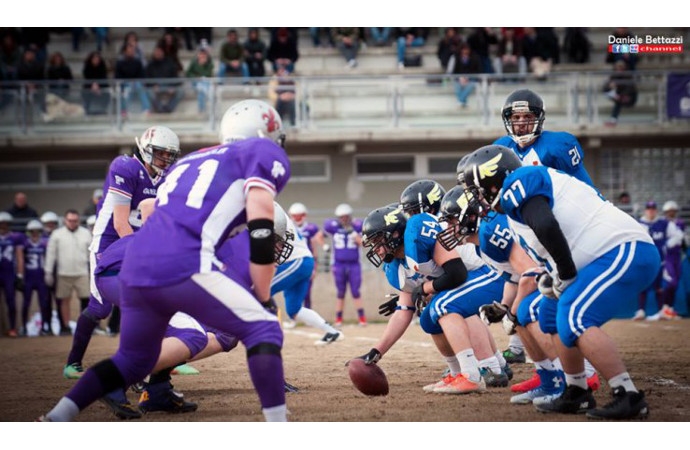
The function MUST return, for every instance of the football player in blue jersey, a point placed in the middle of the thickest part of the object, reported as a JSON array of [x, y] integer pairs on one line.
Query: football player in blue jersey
[[523, 116], [597, 259]]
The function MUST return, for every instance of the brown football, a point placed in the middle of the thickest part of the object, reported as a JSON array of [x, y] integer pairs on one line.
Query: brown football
[[368, 379]]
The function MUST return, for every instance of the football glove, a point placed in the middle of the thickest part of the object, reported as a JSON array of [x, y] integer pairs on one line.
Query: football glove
[[388, 308], [509, 323], [372, 357], [419, 298], [545, 285], [493, 312], [560, 285], [270, 306]]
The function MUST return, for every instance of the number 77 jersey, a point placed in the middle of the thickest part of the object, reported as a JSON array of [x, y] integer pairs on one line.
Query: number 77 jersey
[[201, 204], [591, 225]]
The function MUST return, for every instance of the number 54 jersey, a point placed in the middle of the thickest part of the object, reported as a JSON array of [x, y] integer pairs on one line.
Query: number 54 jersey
[[200, 204]]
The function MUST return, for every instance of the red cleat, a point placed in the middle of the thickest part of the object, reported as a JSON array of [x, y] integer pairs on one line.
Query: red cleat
[[527, 385]]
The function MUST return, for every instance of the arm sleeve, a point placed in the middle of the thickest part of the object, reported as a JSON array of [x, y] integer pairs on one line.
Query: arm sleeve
[[455, 273], [538, 216]]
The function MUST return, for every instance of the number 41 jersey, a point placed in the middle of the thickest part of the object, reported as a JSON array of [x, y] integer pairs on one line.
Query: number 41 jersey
[[200, 204]]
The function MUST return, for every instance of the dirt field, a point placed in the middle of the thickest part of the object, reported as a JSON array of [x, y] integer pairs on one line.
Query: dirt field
[[656, 353]]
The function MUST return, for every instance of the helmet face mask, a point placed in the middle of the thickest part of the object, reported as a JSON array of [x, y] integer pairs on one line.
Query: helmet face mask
[[462, 211], [486, 170], [523, 116], [282, 246], [159, 148], [383, 232]]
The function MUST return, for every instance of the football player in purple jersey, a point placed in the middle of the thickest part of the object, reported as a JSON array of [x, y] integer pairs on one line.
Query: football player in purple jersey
[[11, 266], [130, 180], [35, 246], [208, 196], [346, 236], [314, 236]]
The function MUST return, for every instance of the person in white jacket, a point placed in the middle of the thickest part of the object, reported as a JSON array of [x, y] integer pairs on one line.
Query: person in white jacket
[[68, 249]]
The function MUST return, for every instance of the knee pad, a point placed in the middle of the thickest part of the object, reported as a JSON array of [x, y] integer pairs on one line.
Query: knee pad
[[109, 375], [263, 349]]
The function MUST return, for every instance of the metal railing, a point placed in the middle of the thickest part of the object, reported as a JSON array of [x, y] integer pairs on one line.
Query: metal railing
[[322, 103]]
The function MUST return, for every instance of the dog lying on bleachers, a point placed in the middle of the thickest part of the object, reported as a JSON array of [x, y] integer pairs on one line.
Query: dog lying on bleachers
[[57, 108]]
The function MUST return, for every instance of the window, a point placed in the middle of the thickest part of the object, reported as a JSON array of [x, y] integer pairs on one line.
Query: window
[[310, 169], [388, 166], [76, 172], [12, 175], [442, 166]]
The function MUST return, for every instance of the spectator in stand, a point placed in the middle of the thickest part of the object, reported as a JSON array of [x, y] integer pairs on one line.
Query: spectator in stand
[[31, 70], [466, 63], [480, 41], [10, 56], [538, 53], [92, 208], [102, 37], [281, 92], [11, 267], [68, 250], [35, 247], [621, 89], [36, 39], [200, 70], [164, 96], [576, 45], [59, 71], [347, 42], [96, 92], [130, 67], [133, 38], [315, 33], [232, 57], [509, 55], [380, 36], [255, 53], [448, 47], [631, 58], [282, 50], [409, 37], [170, 44]]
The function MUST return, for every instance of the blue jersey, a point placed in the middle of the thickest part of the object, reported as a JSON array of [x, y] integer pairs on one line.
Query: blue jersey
[[590, 224], [420, 240], [495, 244], [555, 149]]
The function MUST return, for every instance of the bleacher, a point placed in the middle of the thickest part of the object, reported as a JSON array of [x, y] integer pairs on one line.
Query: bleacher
[[375, 95]]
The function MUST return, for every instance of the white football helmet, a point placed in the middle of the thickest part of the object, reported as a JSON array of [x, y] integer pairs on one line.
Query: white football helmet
[[159, 147], [251, 118], [297, 208], [283, 248], [343, 209], [49, 216], [34, 225], [5, 217], [670, 206], [91, 221]]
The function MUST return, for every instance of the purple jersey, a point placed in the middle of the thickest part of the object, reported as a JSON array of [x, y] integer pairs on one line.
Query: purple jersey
[[308, 230], [657, 230], [34, 257], [345, 248], [200, 204], [111, 258], [127, 181], [8, 245]]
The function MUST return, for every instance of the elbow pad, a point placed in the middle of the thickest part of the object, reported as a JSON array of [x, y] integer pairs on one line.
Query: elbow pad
[[261, 241], [455, 274]]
